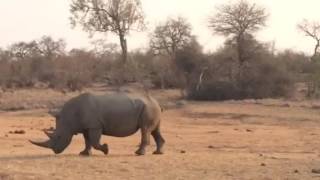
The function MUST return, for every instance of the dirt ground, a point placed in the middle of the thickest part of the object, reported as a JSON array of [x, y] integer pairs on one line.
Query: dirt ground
[[204, 140]]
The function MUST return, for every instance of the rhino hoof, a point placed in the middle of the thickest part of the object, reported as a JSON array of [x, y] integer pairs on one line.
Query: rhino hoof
[[157, 152], [105, 149], [140, 152], [85, 153]]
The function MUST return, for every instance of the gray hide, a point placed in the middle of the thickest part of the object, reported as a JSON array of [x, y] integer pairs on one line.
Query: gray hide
[[113, 115]]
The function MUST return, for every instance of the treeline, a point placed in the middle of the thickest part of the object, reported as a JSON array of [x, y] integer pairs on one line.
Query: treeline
[[242, 67], [26, 64], [199, 75]]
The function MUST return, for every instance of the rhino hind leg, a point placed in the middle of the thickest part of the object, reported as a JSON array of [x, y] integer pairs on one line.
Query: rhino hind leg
[[87, 150], [159, 141], [94, 140], [145, 140]]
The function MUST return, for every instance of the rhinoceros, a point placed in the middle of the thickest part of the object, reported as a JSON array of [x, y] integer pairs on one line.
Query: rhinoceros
[[115, 115]]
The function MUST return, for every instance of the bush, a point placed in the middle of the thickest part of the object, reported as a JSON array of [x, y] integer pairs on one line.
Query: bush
[[313, 78], [136, 69], [72, 73], [263, 77], [164, 73], [21, 74], [213, 90], [267, 79]]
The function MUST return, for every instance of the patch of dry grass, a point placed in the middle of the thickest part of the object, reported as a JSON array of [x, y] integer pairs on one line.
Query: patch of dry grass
[[219, 140]]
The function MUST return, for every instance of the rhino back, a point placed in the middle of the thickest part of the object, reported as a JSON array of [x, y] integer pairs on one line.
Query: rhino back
[[120, 114]]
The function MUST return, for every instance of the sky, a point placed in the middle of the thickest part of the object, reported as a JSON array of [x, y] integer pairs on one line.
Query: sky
[[23, 20]]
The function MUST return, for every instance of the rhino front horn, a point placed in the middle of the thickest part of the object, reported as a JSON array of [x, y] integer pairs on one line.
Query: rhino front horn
[[45, 144]]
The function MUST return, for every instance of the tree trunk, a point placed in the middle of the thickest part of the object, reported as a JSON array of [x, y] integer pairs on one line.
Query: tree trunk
[[162, 82], [241, 61], [316, 50], [240, 55], [200, 80], [123, 43]]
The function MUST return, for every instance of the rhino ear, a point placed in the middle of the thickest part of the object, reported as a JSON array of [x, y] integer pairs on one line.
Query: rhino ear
[[57, 116], [55, 113]]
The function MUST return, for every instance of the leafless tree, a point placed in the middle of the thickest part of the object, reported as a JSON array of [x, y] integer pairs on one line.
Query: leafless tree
[[23, 50], [45, 47], [311, 29], [238, 21], [50, 49], [171, 36], [102, 49], [115, 16]]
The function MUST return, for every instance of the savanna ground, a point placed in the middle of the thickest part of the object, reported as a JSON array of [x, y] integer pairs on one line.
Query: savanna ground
[[252, 139]]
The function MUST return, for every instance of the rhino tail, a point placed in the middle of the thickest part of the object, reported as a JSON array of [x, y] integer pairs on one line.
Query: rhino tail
[[147, 94]]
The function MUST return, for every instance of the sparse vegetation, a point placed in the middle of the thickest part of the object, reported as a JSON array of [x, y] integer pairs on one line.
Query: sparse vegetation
[[201, 76], [265, 124], [312, 30], [242, 68]]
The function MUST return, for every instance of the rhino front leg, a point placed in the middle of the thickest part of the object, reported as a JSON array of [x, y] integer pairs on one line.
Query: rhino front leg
[[145, 140], [159, 140], [94, 139], [87, 150]]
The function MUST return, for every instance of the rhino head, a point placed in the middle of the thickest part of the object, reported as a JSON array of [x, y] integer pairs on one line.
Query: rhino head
[[58, 140]]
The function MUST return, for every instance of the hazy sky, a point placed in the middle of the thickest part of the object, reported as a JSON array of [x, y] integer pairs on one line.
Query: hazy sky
[[25, 20]]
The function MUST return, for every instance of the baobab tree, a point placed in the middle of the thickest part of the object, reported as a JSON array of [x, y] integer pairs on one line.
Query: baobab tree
[[115, 16]]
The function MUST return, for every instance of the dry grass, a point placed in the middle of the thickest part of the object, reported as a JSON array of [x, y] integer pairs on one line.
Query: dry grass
[[225, 140]]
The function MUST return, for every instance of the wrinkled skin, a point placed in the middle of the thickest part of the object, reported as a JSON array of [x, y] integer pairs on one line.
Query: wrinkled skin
[[113, 115]]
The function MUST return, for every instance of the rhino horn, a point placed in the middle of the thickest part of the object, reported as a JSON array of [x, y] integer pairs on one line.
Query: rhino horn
[[49, 134], [45, 144]]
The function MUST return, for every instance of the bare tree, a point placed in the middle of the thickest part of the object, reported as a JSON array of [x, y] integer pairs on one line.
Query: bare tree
[[115, 16], [102, 49], [311, 29], [171, 36], [45, 47], [50, 48], [238, 21], [23, 50]]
